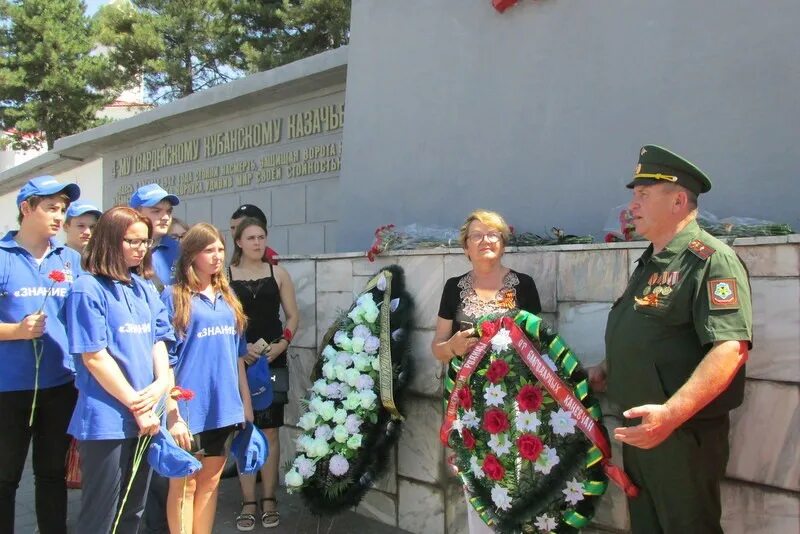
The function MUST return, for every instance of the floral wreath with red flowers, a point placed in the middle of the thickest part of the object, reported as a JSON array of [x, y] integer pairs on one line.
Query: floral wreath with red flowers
[[524, 429]]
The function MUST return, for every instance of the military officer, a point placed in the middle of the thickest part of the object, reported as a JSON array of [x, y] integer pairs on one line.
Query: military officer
[[676, 344]]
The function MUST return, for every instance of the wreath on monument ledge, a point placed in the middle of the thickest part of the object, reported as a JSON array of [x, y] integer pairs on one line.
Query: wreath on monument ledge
[[352, 417], [524, 429]]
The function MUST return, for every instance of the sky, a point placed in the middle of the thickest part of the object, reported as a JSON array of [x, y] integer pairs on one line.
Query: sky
[[93, 5]]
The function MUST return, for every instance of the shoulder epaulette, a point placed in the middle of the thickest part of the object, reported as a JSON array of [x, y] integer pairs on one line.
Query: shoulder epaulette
[[701, 250]]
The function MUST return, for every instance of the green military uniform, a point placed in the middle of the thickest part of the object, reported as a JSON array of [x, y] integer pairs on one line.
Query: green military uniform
[[678, 302]]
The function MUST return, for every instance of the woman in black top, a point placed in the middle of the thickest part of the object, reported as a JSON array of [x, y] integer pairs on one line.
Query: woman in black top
[[488, 288], [262, 289]]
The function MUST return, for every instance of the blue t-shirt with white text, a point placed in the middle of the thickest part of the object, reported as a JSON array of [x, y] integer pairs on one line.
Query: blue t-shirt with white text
[[205, 361], [165, 254], [24, 284], [126, 320]]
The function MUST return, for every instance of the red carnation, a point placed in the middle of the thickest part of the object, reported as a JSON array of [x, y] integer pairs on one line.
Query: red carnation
[[495, 421], [493, 468], [179, 393], [469, 439], [529, 398], [57, 276], [498, 369], [530, 446], [464, 398], [488, 329]]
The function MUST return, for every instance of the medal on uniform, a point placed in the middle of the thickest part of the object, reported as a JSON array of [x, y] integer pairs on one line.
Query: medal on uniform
[[666, 291], [647, 290], [650, 301]]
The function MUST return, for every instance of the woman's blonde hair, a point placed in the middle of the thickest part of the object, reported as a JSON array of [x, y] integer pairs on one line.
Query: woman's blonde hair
[[187, 282], [489, 218]]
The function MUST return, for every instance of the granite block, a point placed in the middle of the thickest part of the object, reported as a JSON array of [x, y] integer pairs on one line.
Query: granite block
[[420, 508], [420, 454], [776, 330], [597, 276], [379, 506], [765, 435], [582, 327], [542, 267], [388, 482], [424, 280], [303, 274], [748, 509], [455, 508], [428, 371], [771, 260], [335, 275]]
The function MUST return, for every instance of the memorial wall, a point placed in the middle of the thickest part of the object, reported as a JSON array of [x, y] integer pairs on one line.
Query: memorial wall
[[284, 157]]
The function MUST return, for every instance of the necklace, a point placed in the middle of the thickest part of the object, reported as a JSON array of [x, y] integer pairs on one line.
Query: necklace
[[253, 288]]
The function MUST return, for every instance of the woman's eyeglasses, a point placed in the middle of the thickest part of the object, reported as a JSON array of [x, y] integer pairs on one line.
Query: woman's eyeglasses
[[136, 243], [491, 237]]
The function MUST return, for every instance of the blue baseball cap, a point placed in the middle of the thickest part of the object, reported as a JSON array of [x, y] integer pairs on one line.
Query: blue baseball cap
[[250, 449], [169, 460], [259, 379], [81, 207], [45, 186], [151, 194]]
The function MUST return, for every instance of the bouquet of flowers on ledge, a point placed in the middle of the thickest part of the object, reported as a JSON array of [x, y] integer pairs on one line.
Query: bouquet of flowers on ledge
[[524, 430], [414, 236], [352, 416]]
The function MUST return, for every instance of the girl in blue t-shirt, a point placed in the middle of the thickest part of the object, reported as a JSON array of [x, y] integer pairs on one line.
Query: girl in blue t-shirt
[[206, 359], [116, 327]]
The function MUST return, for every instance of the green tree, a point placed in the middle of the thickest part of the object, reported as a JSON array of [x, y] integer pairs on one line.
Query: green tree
[[53, 80], [254, 28], [176, 45], [312, 26]]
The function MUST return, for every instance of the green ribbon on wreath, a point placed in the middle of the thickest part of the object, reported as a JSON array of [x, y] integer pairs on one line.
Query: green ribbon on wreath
[[385, 352], [574, 519], [385, 379]]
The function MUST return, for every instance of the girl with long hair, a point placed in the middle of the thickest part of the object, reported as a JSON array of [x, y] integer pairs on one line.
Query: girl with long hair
[[206, 358], [263, 289], [116, 327]]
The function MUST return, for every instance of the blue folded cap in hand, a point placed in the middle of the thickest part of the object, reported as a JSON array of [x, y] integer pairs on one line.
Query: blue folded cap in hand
[[168, 459], [259, 379], [250, 449]]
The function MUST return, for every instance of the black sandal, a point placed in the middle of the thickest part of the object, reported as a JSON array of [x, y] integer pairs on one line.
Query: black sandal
[[245, 522], [270, 518]]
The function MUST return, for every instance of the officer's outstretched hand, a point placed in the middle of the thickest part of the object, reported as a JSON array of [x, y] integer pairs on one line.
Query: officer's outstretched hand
[[656, 426]]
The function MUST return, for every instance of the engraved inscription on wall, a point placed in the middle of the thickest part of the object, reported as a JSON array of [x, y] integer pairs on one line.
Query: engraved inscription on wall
[[279, 150]]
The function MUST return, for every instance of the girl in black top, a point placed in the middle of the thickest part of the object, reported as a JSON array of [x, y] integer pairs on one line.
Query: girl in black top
[[262, 289], [488, 288]]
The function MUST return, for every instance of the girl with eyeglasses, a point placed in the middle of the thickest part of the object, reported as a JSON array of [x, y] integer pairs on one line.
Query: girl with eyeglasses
[[116, 327], [208, 359], [489, 287]]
